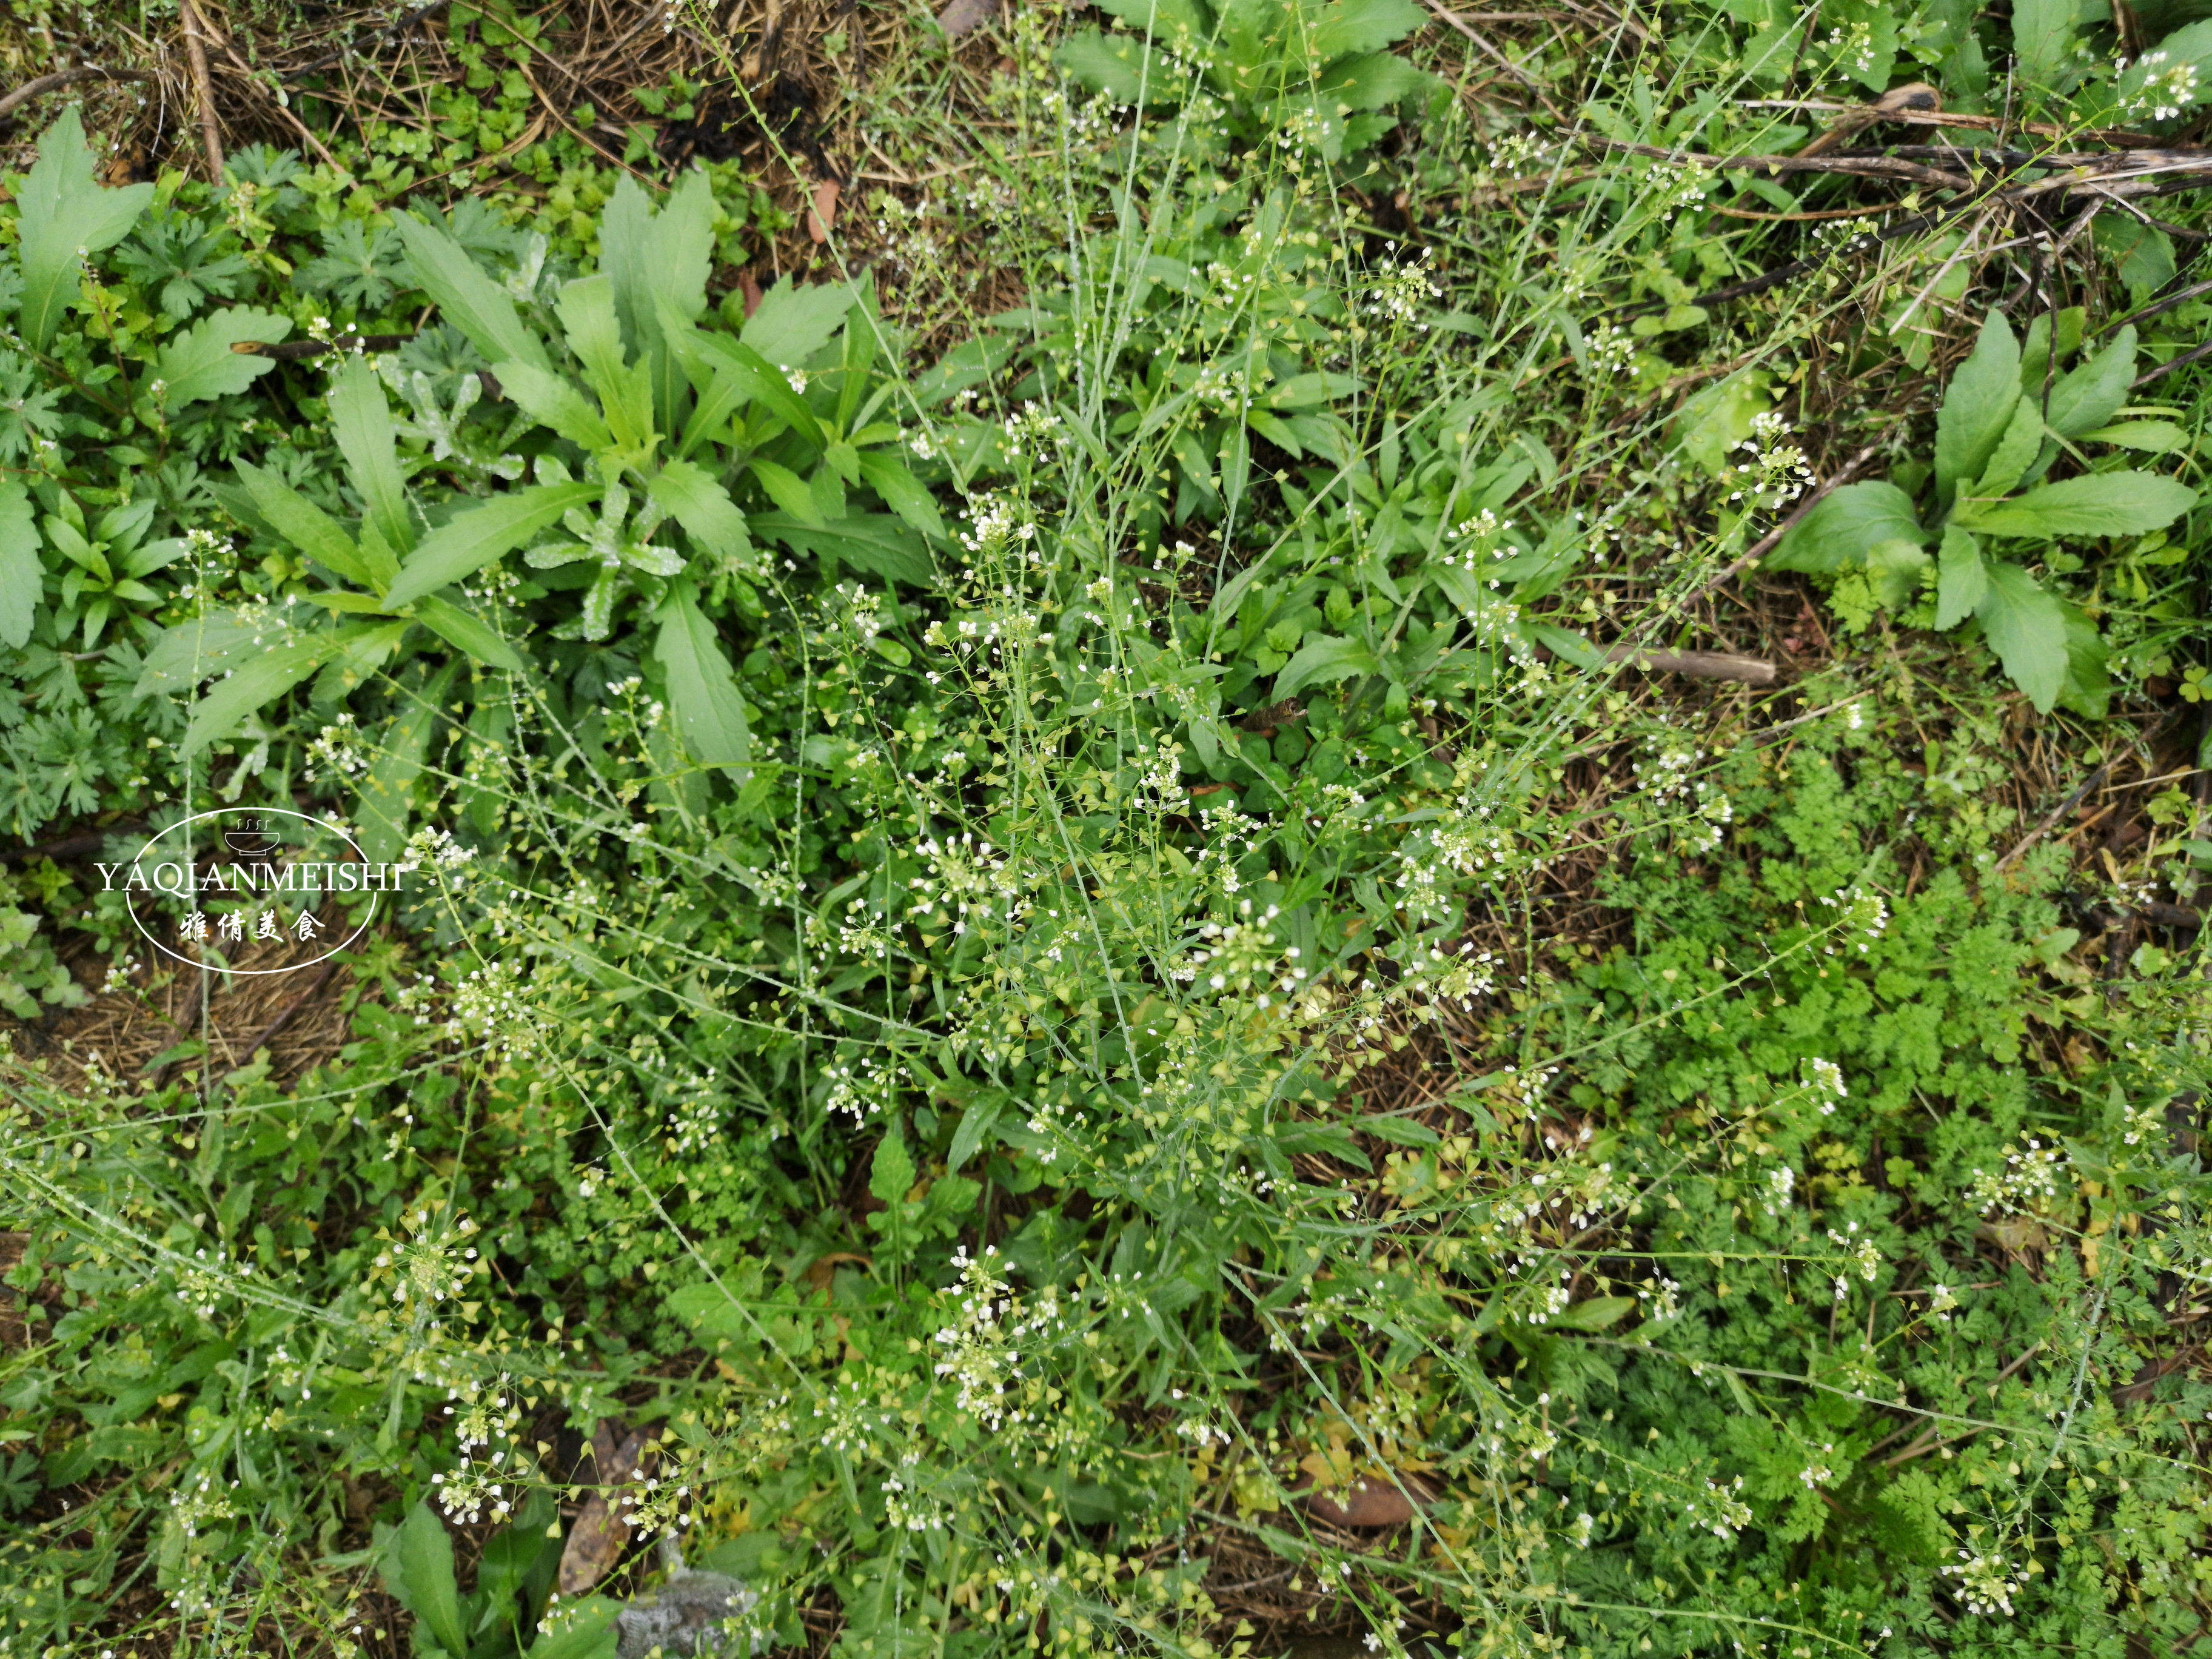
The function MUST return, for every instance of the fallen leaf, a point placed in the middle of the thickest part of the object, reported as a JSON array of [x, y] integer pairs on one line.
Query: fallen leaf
[[601, 1533], [824, 211], [961, 16], [2017, 1233], [1370, 1501], [751, 290]]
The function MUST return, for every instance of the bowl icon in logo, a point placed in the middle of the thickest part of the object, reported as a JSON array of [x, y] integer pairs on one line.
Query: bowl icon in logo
[[248, 840]]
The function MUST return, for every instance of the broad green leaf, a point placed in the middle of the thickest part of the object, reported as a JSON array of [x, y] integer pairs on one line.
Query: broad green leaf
[[587, 313], [702, 692], [458, 628], [702, 506], [1712, 422], [2094, 391], [581, 1630], [63, 213], [387, 799], [2098, 504], [2015, 453], [303, 524], [199, 363], [188, 652], [1362, 26], [418, 1569], [1181, 24], [1960, 580], [1596, 1314], [253, 683], [361, 423], [1323, 660], [651, 257], [875, 542], [2026, 628], [1894, 570], [1370, 83], [1837, 534], [891, 1173], [2043, 41], [1568, 645], [1977, 408], [788, 491], [2152, 437], [902, 492], [342, 601], [553, 400], [972, 1134], [729, 374], [2088, 688], [467, 543], [1398, 1131], [2035, 350], [466, 298], [794, 321], [1109, 63], [22, 577]]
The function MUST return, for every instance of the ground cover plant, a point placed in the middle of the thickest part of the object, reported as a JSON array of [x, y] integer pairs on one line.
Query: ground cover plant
[[1253, 829]]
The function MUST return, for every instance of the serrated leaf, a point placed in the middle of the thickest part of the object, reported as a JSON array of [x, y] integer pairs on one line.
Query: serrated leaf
[[902, 492], [702, 506], [554, 401], [418, 1569], [702, 692], [788, 491], [1108, 64], [303, 524], [2099, 504], [1894, 570], [466, 297], [22, 577], [63, 212], [795, 320], [1362, 26], [875, 542], [1323, 660], [2026, 628], [256, 682], [2095, 390], [361, 423], [1960, 579], [1837, 534], [466, 633], [465, 544], [972, 1133], [199, 363], [385, 802], [891, 1174], [1977, 408]]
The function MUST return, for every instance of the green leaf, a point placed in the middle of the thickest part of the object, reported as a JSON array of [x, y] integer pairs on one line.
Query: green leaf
[[468, 299], [788, 491], [361, 423], [972, 1133], [793, 321], [586, 1631], [1323, 660], [875, 542], [2088, 688], [387, 799], [1894, 570], [1977, 408], [260, 679], [653, 259], [1370, 83], [2152, 437], [199, 363], [902, 492], [62, 212], [2015, 453], [625, 393], [1362, 26], [2043, 41], [467, 543], [1960, 579], [2099, 504], [2094, 393], [554, 400], [1837, 534], [728, 367], [458, 628], [891, 1176], [703, 506], [418, 1570], [1398, 1131], [303, 524], [1596, 1314], [23, 578], [1108, 63], [2026, 628], [702, 692]]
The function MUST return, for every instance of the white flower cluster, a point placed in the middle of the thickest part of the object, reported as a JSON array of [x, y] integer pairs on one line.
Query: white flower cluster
[[1985, 1582], [1775, 473], [206, 1281], [1403, 289], [1720, 1509], [433, 1263], [2165, 92], [982, 1345], [478, 1486], [338, 751], [996, 524], [2030, 1176]]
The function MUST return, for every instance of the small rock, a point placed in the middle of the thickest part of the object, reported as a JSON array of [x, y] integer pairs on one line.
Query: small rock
[[683, 1618]]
